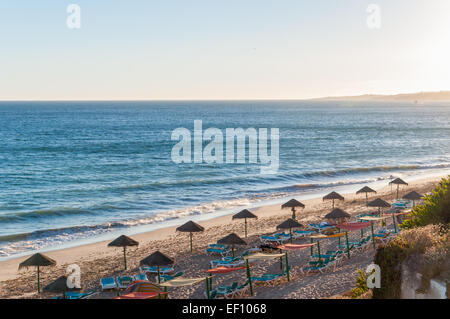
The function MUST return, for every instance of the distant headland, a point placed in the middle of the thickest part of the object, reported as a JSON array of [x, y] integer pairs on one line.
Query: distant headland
[[411, 97]]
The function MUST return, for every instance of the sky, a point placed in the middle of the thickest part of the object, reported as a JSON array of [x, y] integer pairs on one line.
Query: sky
[[217, 49]]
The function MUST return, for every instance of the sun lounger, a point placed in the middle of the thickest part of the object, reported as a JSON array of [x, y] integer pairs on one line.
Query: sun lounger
[[154, 270], [124, 281], [169, 277], [235, 290], [108, 283], [141, 276], [218, 246], [217, 251], [276, 238], [78, 295], [296, 234], [268, 279]]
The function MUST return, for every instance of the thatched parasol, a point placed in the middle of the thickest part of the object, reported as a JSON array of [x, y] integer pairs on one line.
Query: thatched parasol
[[293, 204], [232, 240], [333, 196], [60, 286], [398, 182], [289, 224], [157, 259], [338, 215], [380, 204], [123, 241], [244, 214], [413, 196], [366, 189], [37, 260], [190, 227]]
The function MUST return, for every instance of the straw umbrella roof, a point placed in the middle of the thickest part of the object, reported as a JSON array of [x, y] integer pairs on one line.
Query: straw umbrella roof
[[289, 223], [378, 203], [366, 189], [157, 259], [232, 239], [123, 241], [37, 260], [59, 286], [412, 196], [293, 203], [333, 195], [244, 214], [398, 181], [190, 227], [337, 213]]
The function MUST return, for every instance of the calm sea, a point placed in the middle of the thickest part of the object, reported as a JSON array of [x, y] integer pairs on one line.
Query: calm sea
[[75, 172]]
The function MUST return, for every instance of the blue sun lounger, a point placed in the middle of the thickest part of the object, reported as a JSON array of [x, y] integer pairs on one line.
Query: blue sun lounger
[[108, 283]]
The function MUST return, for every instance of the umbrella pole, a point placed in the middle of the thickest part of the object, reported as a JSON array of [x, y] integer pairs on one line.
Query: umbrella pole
[[290, 235], [293, 213], [232, 250], [318, 251], [245, 222], [207, 287], [159, 281], [287, 267], [39, 284], [393, 221], [125, 256], [249, 277], [373, 235], [398, 186], [333, 203], [339, 238], [312, 247], [348, 248], [190, 237], [362, 233]]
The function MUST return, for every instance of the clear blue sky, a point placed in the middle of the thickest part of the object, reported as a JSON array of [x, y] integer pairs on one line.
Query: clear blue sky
[[217, 49]]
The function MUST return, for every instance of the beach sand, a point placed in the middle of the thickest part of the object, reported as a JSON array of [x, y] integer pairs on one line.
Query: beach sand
[[97, 260]]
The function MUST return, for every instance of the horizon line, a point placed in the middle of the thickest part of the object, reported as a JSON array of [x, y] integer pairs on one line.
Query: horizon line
[[224, 99]]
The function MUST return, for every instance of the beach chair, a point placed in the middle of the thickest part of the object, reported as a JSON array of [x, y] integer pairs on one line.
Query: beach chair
[[220, 246], [231, 264], [154, 270], [108, 283], [267, 279], [169, 277], [235, 290], [79, 295], [124, 281], [225, 290], [297, 234], [238, 291], [214, 249], [141, 276], [275, 238], [224, 260]]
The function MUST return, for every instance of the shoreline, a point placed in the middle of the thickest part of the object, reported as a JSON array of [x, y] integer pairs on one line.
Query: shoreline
[[175, 244], [229, 207]]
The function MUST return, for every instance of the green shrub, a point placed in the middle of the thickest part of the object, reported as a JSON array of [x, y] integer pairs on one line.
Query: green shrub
[[435, 209], [361, 285]]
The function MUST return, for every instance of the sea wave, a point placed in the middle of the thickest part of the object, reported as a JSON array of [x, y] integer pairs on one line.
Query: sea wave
[[20, 242]]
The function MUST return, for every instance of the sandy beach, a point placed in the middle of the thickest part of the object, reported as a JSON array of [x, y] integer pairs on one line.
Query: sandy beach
[[97, 260]]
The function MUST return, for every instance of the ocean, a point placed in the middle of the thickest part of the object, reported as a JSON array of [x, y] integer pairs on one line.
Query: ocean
[[79, 172]]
